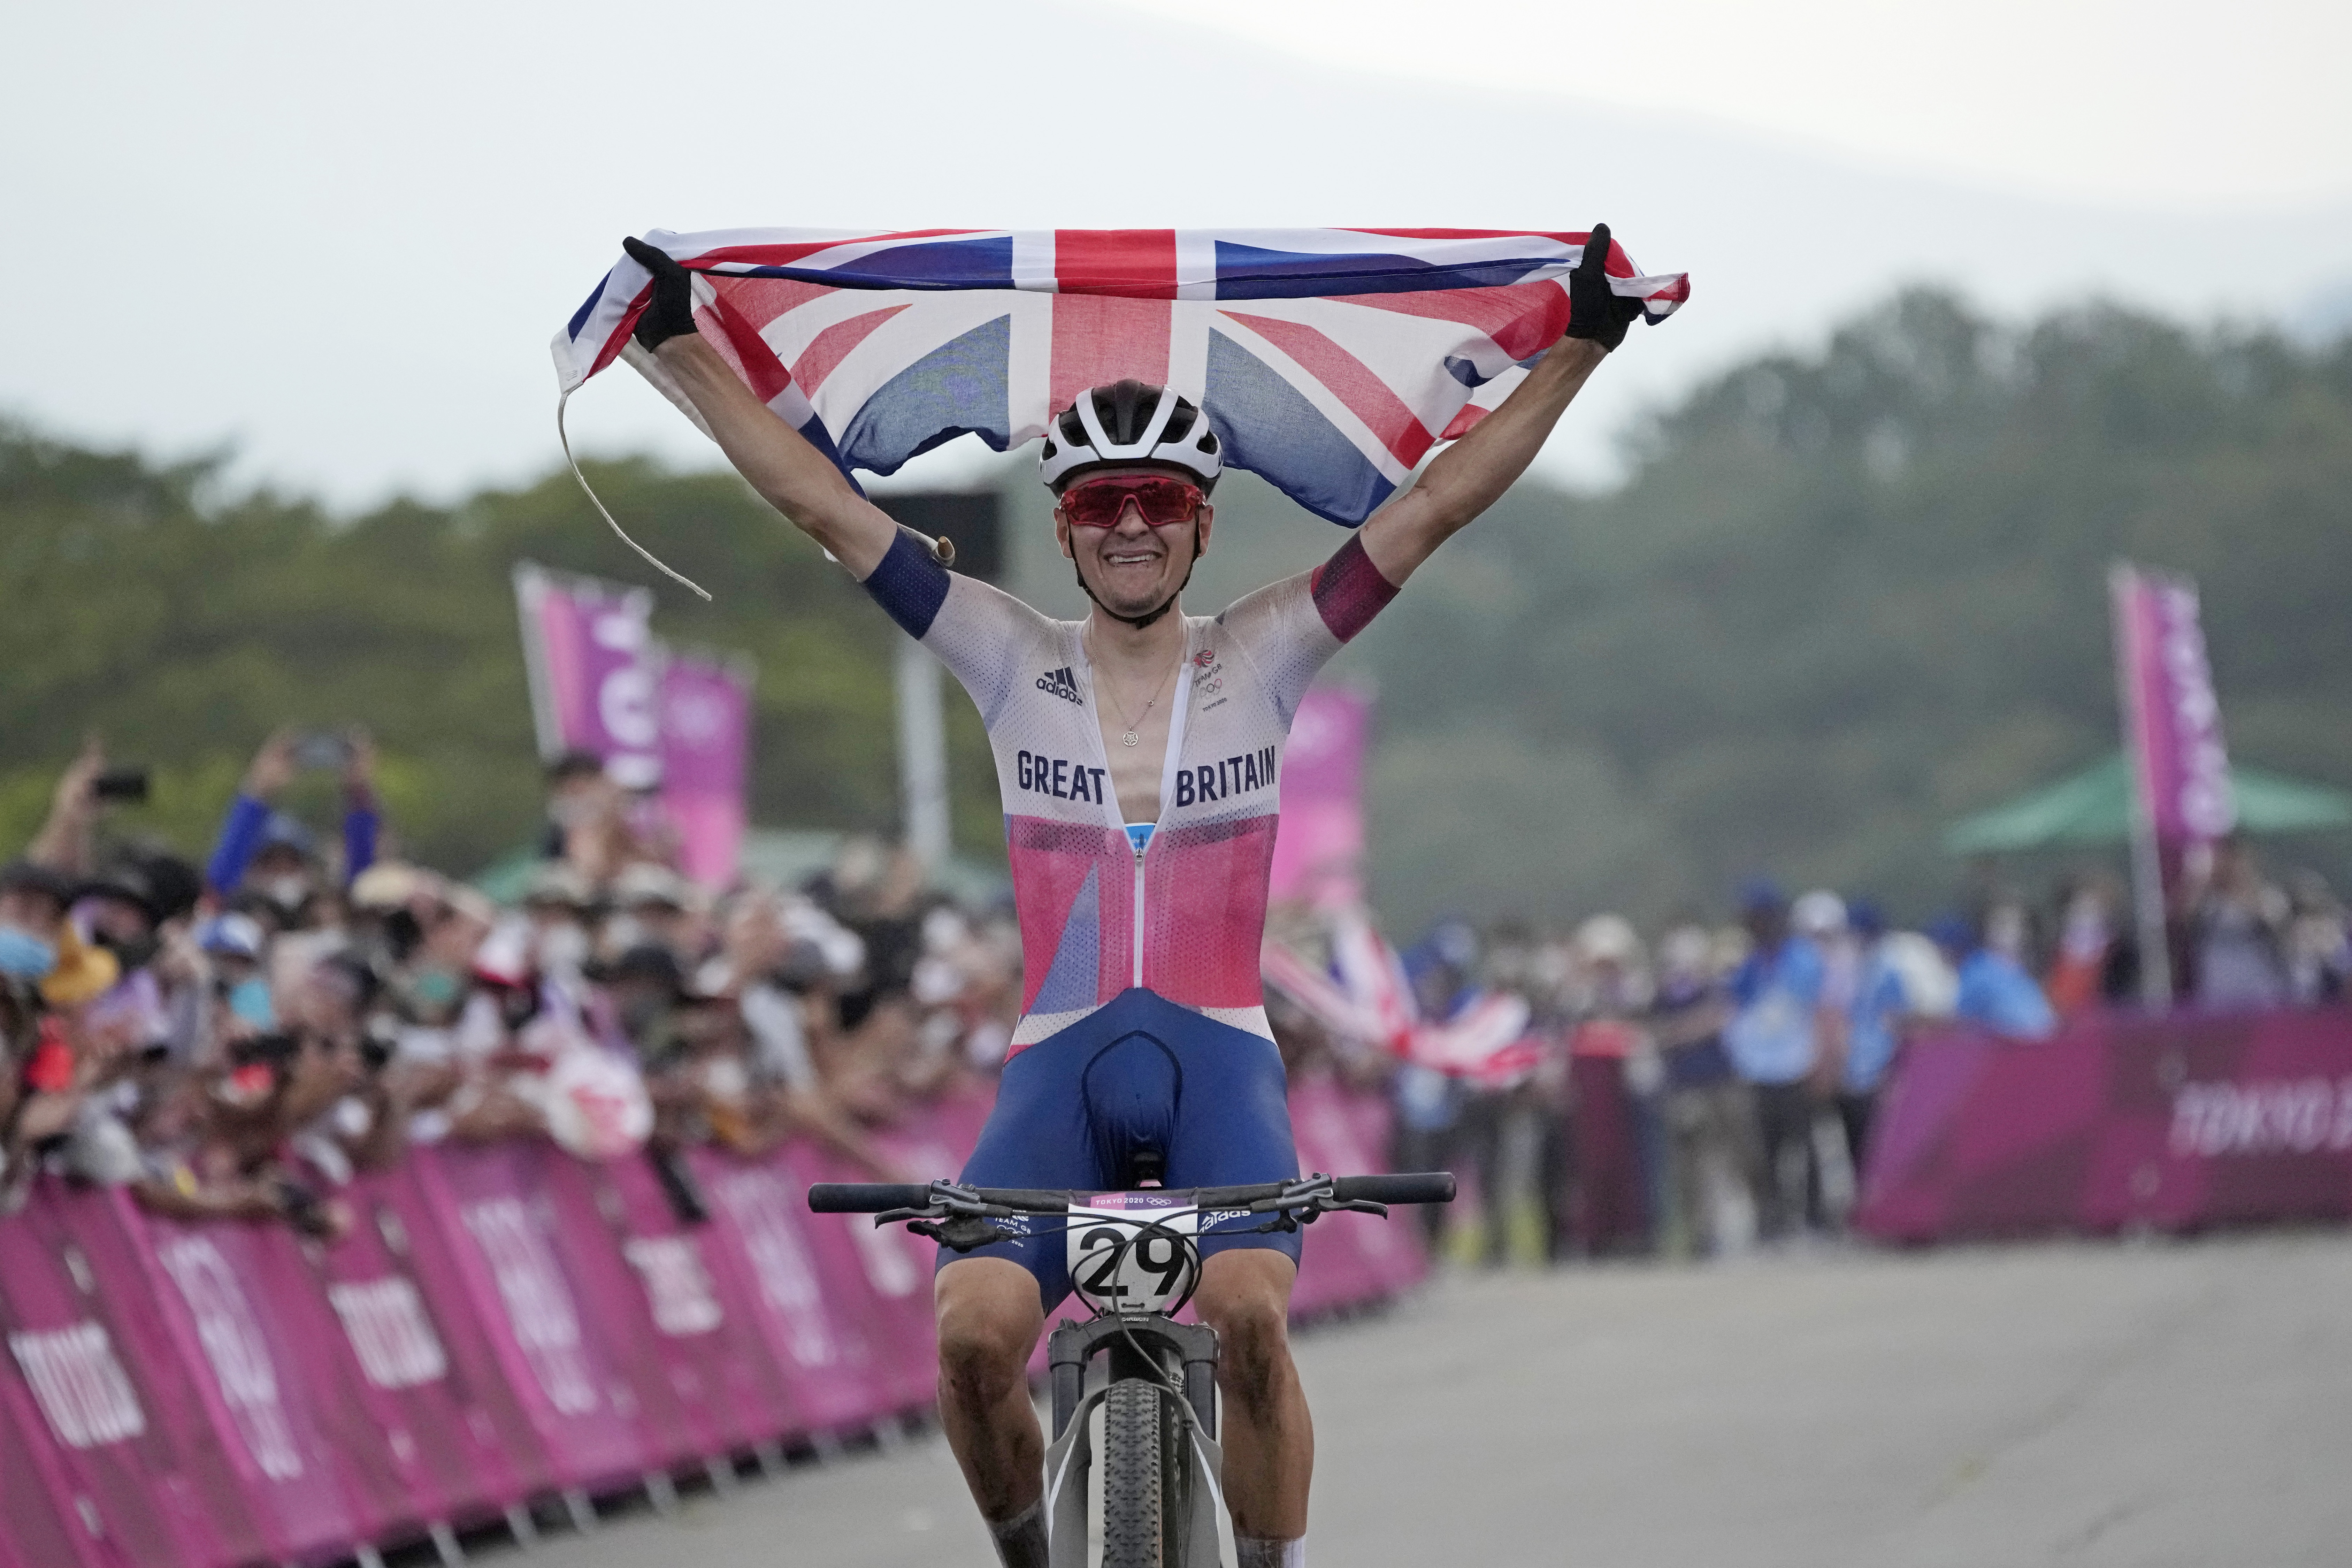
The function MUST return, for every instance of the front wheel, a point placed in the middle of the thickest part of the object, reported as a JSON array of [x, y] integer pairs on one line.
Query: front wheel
[[1134, 1502]]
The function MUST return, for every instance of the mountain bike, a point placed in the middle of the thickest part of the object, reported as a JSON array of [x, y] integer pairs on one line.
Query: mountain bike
[[1134, 1261]]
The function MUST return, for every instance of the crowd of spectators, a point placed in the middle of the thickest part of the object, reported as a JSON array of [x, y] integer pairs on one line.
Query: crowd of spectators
[[2234, 937], [238, 1039], [1715, 1088]]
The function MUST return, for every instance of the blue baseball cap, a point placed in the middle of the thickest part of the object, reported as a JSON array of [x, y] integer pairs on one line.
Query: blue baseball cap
[[1953, 930], [232, 936]]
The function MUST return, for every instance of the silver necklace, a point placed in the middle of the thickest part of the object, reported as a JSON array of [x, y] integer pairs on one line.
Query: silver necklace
[[1132, 738]]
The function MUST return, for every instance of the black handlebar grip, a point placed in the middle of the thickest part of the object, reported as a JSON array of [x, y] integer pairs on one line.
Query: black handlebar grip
[[866, 1197], [1405, 1187]]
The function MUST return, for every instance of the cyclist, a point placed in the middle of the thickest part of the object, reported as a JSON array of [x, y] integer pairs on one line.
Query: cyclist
[[1137, 755]]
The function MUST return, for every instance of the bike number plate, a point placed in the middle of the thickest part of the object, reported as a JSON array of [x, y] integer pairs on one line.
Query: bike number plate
[[1138, 1258]]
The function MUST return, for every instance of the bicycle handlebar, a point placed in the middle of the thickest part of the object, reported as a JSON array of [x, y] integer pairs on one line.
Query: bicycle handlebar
[[878, 1197], [866, 1197], [1402, 1187], [875, 1197]]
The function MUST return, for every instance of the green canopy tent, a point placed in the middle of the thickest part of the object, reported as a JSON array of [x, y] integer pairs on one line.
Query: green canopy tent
[[2094, 806]]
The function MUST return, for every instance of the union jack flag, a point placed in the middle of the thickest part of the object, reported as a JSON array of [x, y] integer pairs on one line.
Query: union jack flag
[[1364, 996], [1329, 359]]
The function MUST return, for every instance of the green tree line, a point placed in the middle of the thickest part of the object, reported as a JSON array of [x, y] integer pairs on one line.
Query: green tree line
[[183, 629], [1842, 598]]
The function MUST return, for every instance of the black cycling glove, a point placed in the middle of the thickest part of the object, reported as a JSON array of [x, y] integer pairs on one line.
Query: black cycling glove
[[1595, 312], [670, 312]]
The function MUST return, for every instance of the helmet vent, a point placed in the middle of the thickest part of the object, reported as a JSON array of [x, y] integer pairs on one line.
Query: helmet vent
[[1129, 422]]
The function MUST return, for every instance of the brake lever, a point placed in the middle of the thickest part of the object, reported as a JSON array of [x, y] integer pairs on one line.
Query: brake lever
[[961, 1233], [948, 1203], [1314, 1189]]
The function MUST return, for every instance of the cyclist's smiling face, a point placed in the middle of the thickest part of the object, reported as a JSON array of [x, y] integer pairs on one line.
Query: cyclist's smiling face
[[1132, 567]]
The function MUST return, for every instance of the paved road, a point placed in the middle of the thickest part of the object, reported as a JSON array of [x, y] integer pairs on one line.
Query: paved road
[[2094, 1404]]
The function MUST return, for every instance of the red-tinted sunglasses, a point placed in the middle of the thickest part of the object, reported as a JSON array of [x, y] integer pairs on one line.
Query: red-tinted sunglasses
[[1097, 503]]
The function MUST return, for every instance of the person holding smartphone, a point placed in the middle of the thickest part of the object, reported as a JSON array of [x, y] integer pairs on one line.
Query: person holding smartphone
[[263, 848]]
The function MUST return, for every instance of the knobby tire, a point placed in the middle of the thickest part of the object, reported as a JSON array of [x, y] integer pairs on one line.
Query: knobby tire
[[1134, 1502]]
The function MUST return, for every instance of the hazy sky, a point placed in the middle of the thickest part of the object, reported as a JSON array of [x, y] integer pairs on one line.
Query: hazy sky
[[340, 239], [2155, 101]]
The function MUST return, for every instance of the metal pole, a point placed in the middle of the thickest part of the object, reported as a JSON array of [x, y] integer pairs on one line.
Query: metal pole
[[2147, 858], [2155, 930], [923, 753]]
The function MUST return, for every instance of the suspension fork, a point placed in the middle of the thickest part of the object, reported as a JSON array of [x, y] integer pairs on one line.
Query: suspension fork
[[1188, 1351]]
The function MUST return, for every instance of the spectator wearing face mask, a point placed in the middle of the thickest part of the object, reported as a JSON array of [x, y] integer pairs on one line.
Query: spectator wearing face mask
[[39, 1094], [560, 910], [2238, 925], [32, 903], [238, 947], [2318, 941], [119, 910], [653, 905], [131, 999], [261, 848], [591, 821]]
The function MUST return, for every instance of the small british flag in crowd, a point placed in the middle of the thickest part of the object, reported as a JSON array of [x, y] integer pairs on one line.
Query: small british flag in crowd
[[1329, 359]]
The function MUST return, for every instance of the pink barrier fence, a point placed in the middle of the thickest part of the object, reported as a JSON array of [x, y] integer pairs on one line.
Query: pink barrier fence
[[1349, 1259], [502, 1323], [2172, 1121]]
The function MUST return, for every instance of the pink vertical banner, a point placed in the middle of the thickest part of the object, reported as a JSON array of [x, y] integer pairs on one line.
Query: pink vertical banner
[[2180, 770], [1319, 849], [2173, 718], [705, 750], [592, 677]]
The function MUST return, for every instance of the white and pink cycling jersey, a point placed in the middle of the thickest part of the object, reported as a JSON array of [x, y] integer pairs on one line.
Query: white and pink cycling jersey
[[1178, 907]]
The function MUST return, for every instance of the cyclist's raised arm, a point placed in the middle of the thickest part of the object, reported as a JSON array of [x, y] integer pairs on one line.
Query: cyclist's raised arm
[[1469, 476], [790, 475]]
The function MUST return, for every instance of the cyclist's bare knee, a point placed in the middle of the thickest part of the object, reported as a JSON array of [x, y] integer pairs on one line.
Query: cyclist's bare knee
[[989, 1321], [1246, 1297]]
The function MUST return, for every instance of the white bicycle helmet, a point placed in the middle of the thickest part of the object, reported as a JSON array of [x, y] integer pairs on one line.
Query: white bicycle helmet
[[1129, 422]]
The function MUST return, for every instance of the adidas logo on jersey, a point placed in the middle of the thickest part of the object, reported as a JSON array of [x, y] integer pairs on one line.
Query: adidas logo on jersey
[[1062, 684]]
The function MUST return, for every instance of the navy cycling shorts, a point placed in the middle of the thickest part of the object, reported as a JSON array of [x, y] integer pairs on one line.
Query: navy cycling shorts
[[1138, 1073]]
